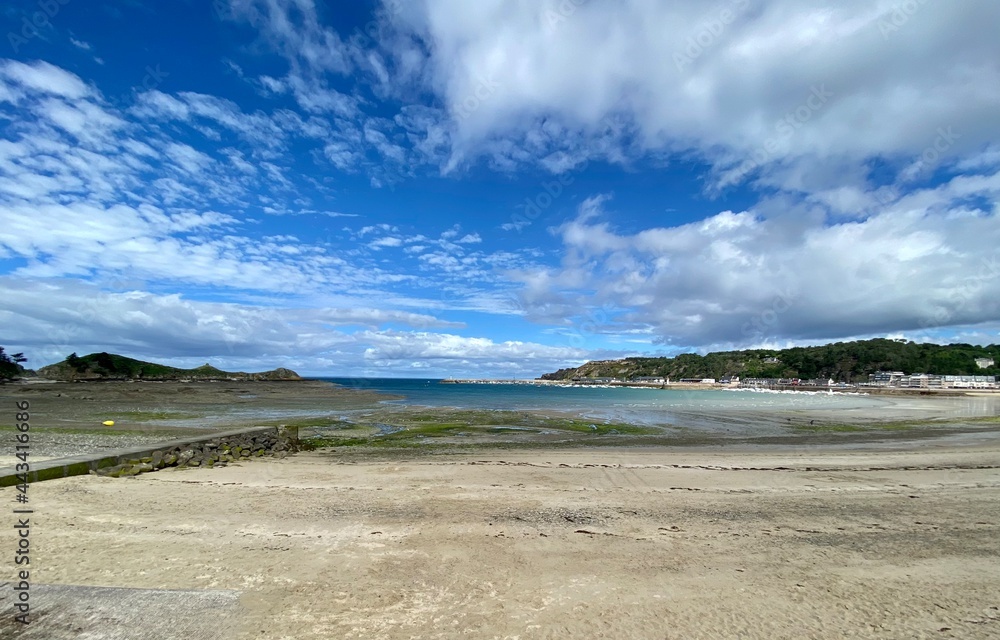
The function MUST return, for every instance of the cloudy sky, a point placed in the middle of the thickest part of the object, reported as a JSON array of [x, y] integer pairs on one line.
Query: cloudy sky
[[493, 188]]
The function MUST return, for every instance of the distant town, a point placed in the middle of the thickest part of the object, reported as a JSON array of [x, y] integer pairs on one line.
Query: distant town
[[879, 379], [877, 365]]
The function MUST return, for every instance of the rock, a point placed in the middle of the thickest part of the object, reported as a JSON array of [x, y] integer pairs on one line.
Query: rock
[[112, 472], [194, 463], [185, 457], [144, 467], [129, 471], [146, 459], [244, 454], [170, 460]]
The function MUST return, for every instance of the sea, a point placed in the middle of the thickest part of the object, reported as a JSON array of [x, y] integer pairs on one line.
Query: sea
[[652, 406]]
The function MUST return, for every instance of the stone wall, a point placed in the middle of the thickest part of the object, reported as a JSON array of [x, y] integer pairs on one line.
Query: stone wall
[[212, 452]]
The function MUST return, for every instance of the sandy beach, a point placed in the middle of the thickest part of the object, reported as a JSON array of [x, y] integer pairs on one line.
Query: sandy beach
[[611, 543]]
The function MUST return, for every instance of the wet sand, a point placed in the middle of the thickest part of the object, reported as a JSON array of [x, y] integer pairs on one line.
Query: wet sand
[[583, 543], [66, 418], [159, 405]]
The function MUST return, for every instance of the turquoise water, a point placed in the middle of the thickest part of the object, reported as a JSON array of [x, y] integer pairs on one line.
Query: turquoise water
[[637, 406]]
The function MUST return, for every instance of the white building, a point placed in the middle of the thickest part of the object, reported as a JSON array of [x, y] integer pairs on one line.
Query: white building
[[984, 363], [885, 378], [970, 382]]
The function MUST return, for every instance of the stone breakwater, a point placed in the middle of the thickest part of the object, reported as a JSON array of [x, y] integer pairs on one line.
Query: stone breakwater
[[215, 452], [272, 441]]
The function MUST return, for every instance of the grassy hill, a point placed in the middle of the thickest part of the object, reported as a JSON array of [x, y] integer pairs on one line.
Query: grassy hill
[[109, 366], [842, 361]]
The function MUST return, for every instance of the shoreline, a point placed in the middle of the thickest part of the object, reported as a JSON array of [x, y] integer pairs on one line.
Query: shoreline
[[67, 417], [698, 386], [145, 412]]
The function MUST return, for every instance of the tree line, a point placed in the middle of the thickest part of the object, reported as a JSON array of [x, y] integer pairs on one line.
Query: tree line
[[10, 365], [841, 361]]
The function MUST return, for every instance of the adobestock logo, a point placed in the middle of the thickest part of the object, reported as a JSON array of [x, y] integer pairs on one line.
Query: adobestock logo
[[554, 18], [30, 25], [709, 33], [931, 154], [590, 325], [785, 129], [762, 325], [533, 206], [899, 16], [968, 293], [484, 90]]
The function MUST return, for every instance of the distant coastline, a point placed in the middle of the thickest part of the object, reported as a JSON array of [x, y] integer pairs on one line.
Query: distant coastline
[[703, 386]]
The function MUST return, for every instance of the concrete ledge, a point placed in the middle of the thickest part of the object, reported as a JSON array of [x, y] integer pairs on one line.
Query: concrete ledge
[[84, 464], [71, 612]]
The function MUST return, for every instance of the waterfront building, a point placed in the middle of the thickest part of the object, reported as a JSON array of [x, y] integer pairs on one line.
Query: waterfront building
[[885, 378]]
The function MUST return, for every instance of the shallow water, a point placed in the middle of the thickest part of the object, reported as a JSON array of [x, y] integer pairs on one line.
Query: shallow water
[[564, 398], [711, 411]]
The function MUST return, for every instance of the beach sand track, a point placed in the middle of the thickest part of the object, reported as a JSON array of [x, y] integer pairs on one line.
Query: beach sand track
[[553, 544]]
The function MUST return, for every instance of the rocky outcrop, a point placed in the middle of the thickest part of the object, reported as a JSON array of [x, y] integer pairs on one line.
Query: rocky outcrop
[[110, 366], [214, 452], [278, 374]]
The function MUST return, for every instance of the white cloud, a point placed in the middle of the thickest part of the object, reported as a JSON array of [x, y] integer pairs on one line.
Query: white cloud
[[92, 191], [410, 345], [312, 50], [309, 212], [926, 261], [387, 241], [51, 318], [376, 317], [377, 227], [44, 78], [573, 80]]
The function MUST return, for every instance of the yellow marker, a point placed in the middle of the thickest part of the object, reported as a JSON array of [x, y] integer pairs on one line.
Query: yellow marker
[[108, 423]]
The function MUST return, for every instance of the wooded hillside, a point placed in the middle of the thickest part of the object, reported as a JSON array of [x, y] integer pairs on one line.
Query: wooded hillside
[[842, 361]]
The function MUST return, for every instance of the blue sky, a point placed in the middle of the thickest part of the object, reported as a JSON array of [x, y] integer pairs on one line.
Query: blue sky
[[498, 188]]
